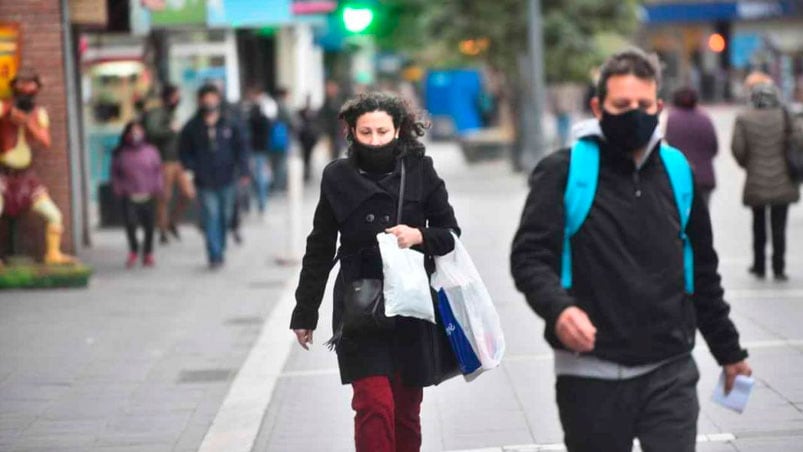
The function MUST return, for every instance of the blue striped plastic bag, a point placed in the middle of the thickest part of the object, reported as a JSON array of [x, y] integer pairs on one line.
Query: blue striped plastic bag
[[464, 352], [471, 305]]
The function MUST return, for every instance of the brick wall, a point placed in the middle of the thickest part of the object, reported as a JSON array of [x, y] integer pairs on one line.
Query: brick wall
[[41, 35]]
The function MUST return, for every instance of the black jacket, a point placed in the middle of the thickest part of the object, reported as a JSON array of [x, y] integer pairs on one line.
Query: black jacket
[[356, 208], [259, 126], [627, 263], [215, 162]]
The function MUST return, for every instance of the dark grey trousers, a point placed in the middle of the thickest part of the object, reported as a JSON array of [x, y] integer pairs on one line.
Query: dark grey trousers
[[659, 408]]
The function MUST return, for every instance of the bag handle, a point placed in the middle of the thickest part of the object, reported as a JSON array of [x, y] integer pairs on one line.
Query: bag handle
[[401, 193]]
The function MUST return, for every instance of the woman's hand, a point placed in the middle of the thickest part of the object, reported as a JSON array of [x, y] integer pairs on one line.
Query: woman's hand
[[406, 236], [304, 337]]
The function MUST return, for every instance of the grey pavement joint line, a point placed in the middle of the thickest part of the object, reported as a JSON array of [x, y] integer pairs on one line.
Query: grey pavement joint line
[[773, 343], [709, 438], [769, 294], [310, 373], [237, 423]]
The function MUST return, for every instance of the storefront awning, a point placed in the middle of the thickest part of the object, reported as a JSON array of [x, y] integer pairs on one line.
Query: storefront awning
[[729, 11]]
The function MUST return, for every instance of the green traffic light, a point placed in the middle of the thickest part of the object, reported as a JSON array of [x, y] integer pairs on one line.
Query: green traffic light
[[357, 19]]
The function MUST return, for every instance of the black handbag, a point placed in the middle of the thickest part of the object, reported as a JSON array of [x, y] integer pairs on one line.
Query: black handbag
[[364, 299], [793, 150]]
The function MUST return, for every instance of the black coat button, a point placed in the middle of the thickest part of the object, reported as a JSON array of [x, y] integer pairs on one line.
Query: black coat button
[[370, 218], [386, 219]]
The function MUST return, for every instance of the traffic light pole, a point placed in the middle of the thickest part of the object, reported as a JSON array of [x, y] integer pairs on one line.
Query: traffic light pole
[[534, 143]]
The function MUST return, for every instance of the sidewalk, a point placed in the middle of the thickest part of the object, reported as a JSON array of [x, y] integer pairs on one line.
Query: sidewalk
[[513, 408], [142, 359]]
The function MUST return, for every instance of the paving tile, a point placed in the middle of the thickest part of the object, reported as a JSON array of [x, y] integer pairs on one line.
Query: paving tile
[[788, 444]]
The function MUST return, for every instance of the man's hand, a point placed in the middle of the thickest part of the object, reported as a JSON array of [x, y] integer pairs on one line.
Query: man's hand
[[406, 236], [575, 330], [18, 117], [732, 370], [304, 337]]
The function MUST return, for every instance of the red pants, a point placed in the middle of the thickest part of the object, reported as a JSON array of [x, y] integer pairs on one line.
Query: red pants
[[387, 415]]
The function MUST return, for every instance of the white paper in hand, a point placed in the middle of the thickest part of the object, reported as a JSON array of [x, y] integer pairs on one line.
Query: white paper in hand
[[735, 400]]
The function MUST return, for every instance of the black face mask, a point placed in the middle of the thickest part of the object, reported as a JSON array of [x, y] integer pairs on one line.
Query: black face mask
[[209, 109], [628, 131], [376, 159], [25, 102]]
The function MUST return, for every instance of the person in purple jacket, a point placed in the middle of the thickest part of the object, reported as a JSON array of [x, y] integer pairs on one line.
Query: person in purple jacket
[[690, 129], [137, 179]]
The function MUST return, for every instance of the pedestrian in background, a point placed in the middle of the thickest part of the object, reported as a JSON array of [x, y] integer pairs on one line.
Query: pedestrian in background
[[211, 145], [308, 133], [259, 125], [622, 315], [387, 368], [281, 131], [759, 140], [238, 118], [562, 100], [330, 122], [161, 130], [136, 175], [690, 129]]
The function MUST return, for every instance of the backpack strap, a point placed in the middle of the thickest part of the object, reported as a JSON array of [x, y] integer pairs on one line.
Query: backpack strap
[[578, 198], [682, 181]]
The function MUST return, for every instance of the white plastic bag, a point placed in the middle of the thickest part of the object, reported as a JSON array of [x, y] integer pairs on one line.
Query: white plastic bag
[[405, 283], [471, 304]]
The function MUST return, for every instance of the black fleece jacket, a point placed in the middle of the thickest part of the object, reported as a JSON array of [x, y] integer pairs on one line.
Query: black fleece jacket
[[627, 263]]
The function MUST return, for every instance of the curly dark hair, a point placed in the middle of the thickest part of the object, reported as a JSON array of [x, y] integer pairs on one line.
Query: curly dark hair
[[411, 124]]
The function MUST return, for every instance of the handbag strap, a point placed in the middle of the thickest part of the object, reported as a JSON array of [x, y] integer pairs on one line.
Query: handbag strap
[[402, 185]]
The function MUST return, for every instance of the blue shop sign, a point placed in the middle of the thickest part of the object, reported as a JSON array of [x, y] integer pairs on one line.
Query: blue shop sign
[[248, 13], [727, 11]]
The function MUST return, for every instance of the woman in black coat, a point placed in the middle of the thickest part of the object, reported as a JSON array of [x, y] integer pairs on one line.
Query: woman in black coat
[[359, 195]]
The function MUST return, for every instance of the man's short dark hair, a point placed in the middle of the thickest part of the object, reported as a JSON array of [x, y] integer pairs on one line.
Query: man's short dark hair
[[208, 89], [168, 91], [685, 97], [280, 92], [633, 61]]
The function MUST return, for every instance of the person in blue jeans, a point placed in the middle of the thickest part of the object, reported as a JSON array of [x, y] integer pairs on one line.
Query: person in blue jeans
[[281, 129], [213, 148], [259, 125]]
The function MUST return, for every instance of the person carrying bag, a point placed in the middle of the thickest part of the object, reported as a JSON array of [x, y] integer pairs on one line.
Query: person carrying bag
[[387, 363]]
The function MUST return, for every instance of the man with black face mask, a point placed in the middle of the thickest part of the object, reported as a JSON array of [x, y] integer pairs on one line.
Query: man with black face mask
[[212, 146], [623, 290]]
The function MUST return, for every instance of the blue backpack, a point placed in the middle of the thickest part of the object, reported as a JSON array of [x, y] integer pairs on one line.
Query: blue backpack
[[279, 136], [582, 186]]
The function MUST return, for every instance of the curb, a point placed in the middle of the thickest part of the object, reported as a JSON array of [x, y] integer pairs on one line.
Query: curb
[[237, 423]]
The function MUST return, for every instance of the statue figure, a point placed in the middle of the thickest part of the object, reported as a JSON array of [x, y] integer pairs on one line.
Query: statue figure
[[25, 127]]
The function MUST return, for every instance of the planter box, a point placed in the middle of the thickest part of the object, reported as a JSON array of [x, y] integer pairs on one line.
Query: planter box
[[24, 273]]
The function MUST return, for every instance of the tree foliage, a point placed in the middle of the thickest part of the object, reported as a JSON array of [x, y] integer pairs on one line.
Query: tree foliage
[[431, 30]]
